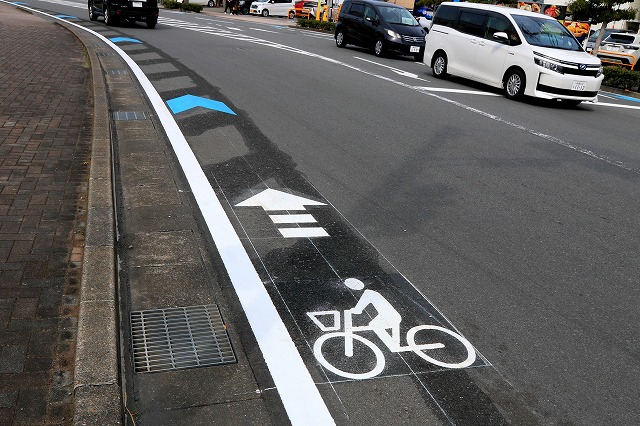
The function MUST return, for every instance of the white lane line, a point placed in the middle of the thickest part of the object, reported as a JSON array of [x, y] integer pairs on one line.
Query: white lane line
[[234, 29], [298, 392], [615, 105], [303, 232], [464, 91], [396, 70], [264, 31]]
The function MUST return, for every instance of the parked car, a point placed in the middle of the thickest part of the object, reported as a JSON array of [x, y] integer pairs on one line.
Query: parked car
[[244, 6], [591, 41], [385, 27], [621, 49], [522, 52], [124, 10], [271, 7], [304, 9]]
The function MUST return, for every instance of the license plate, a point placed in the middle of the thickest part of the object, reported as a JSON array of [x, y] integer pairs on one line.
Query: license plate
[[414, 49], [579, 85], [612, 48], [137, 4]]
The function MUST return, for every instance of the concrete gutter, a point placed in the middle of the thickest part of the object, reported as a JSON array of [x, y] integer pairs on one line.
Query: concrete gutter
[[97, 387]]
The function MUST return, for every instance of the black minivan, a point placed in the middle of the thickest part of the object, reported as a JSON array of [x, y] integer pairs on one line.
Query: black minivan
[[385, 27]]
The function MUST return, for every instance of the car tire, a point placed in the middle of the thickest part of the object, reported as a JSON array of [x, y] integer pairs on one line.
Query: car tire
[[245, 11], [92, 14], [292, 14], [378, 48], [341, 39], [108, 19], [151, 23], [439, 65], [514, 83], [211, 3], [265, 13]]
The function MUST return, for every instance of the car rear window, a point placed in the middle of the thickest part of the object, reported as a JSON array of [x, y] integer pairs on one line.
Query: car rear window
[[621, 38]]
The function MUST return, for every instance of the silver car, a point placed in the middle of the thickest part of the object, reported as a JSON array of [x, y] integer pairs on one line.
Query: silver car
[[621, 49]]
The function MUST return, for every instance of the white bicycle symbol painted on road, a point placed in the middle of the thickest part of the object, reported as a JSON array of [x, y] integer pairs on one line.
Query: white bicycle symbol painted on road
[[387, 318]]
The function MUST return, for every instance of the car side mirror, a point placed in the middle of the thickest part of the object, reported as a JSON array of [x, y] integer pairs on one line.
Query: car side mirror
[[501, 36]]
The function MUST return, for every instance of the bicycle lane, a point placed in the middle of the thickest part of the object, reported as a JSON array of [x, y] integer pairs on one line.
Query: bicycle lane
[[304, 251]]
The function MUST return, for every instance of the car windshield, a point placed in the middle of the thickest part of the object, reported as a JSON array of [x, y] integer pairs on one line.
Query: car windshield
[[398, 15], [546, 33]]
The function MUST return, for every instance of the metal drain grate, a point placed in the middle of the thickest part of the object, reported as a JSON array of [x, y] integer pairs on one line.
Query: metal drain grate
[[179, 338], [130, 115]]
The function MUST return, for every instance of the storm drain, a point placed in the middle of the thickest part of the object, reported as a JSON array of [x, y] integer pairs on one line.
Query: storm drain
[[130, 115], [179, 338]]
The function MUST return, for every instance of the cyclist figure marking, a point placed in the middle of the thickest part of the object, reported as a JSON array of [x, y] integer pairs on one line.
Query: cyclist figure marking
[[387, 317]]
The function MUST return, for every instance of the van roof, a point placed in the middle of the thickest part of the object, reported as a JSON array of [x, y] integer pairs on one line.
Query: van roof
[[378, 3], [499, 9]]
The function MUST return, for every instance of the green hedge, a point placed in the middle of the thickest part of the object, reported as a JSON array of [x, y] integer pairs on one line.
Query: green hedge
[[621, 77], [187, 7], [314, 23]]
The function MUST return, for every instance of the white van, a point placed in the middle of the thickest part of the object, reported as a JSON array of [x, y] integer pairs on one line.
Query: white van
[[525, 53], [272, 7]]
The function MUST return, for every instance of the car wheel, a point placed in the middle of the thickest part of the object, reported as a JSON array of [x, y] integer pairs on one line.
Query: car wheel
[[439, 67], [211, 3], [92, 15], [245, 11], [265, 13], [378, 48], [151, 23], [514, 84], [108, 19], [292, 14], [341, 39]]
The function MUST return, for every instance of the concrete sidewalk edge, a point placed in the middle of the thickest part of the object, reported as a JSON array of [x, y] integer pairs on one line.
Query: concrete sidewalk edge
[[98, 397]]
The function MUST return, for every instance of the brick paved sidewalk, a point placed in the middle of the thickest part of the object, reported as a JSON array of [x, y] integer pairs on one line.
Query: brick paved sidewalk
[[45, 140]]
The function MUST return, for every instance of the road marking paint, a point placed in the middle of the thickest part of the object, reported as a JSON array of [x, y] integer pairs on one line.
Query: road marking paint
[[616, 105], [187, 102], [119, 39], [234, 29], [303, 232], [264, 31], [272, 199], [292, 218], [396, 70], [300, 396], [463, 91]]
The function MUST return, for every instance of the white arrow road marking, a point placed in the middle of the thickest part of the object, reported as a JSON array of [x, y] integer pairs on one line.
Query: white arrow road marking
[[303, 232], [272, 199], [292, 218]]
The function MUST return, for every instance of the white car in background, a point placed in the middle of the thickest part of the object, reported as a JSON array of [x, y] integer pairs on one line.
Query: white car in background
[[621, 49], [272, 8]]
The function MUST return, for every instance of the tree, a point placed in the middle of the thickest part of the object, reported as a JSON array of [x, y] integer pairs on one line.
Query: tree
[[600, 11]]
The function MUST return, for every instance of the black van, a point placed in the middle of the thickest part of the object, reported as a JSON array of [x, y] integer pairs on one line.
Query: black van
[[124, 10], [385, 27]]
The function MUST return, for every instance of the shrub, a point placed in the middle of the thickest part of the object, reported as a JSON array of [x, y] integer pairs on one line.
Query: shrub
[[314, 23], [621, 77], [187, 7]]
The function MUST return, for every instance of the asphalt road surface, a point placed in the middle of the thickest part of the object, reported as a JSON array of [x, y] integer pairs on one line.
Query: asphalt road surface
[[513, 223]]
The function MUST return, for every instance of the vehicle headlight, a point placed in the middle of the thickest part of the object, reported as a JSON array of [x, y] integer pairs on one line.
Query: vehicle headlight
[[600, 71], [549, 65], [393, 34]]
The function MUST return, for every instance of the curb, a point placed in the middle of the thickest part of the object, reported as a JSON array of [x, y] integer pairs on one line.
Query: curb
[[98, 399]]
